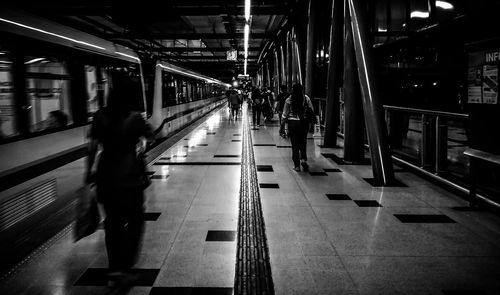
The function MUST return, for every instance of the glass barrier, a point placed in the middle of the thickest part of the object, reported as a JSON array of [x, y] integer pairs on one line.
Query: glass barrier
[[432, 140]]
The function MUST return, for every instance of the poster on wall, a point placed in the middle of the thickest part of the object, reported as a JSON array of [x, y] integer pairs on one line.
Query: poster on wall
[[490, 84], [474, 90]]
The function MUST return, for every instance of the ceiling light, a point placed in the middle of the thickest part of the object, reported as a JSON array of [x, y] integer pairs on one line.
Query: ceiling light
[[247, 32], [419, 14], [34, 60], [444, 5], [247, 10], [246, 36]]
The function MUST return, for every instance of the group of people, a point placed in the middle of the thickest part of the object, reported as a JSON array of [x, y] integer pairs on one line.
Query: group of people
[[291, 109], [234, 101], [262, 102], [120, 176]]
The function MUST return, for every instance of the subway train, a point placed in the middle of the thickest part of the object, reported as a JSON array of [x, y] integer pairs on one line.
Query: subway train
[[53, 79]]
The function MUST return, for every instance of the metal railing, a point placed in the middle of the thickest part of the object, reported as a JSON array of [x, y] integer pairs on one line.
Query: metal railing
[[434, 141]]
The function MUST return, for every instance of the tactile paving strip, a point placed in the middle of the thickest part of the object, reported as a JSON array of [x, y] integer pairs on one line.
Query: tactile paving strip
[[253, 270]]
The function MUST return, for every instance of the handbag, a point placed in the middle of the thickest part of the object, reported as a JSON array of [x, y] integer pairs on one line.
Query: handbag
[[309, 116], [87, 213]]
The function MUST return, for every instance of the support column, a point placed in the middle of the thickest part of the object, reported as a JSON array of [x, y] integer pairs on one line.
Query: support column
[[372, 106], [289, 59], [354, 131], [312, 20], [284, 78], [264, 74], [335, 72], [268, 74], [298, 59], [293, 56], [276, 67]]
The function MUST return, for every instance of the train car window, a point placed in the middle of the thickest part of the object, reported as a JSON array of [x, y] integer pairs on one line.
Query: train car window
[[199, 89], [91, 87], [398, 16], [182, 95], [133, 75], [8, 126], [105, 86], [168, 91], [48, 93], [189, 85]]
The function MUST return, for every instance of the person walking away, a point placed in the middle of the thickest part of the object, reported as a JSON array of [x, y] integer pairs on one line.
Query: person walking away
[[228, 98], [119, 177], [293, 113], [267, 104], [256, 106], [235, 100], [280, 103]]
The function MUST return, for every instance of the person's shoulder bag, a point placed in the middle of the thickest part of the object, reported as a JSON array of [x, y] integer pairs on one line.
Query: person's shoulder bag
[[308, 116]]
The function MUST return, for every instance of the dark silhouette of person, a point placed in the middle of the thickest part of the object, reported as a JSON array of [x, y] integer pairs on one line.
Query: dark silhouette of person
[[120, 176], [293, 113], [57, 119]]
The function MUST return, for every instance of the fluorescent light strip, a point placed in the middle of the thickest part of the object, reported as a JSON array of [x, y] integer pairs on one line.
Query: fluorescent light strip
[[444, 5], [129, 56], [34, 60], [247, 10], [247, 32], [193, 75], [52, 34], [246, 36], [419, 14]]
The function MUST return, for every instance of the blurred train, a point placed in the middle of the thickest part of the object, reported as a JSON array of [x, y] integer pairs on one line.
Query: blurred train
[[52, 80]]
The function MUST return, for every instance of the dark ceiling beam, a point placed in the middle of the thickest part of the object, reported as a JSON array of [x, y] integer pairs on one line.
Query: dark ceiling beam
[[215, 65], [250, 57], [232, 10], [201, 49], [178, 9], [211, 58], [189, 36]]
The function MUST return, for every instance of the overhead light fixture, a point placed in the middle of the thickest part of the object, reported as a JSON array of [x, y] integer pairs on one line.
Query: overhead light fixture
[[34, 60], [247, 10], [419, 14], [246, 36], [444, 5], [51, 34], [246, 33]]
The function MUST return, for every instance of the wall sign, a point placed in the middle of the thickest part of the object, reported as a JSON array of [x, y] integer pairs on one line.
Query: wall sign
[[482, 78]]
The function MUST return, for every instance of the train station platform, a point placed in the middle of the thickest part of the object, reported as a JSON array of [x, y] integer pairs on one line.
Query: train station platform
[[227, 214]]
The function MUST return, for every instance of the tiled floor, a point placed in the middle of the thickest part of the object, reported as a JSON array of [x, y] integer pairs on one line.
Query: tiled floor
[[328, 230]]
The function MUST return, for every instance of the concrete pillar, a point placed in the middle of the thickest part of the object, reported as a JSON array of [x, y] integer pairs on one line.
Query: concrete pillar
[[354, 130], [293, 56], [372, 105], [282, 54], [312, 21], [298, 60], [268, 73], [335, 72], [276, 67], [289, 55]]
